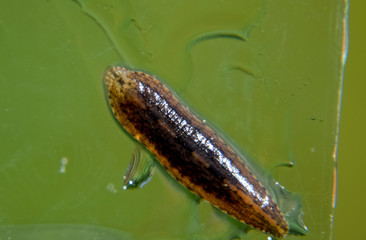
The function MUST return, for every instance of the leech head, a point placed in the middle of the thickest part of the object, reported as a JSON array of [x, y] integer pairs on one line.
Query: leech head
[[116, 74], [118, 79]]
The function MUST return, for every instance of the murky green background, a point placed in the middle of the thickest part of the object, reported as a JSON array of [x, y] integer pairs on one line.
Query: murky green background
[[267, 73]]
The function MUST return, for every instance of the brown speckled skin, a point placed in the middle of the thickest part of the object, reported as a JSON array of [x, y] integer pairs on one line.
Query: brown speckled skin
[[191, 152]]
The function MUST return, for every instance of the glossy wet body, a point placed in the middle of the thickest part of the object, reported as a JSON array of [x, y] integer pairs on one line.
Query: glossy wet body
[[190, 150]]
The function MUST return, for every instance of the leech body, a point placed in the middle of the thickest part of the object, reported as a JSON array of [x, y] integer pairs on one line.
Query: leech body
[[190, 150]]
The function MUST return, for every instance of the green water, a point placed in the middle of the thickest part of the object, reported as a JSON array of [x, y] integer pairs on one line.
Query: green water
[[267, 73]]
